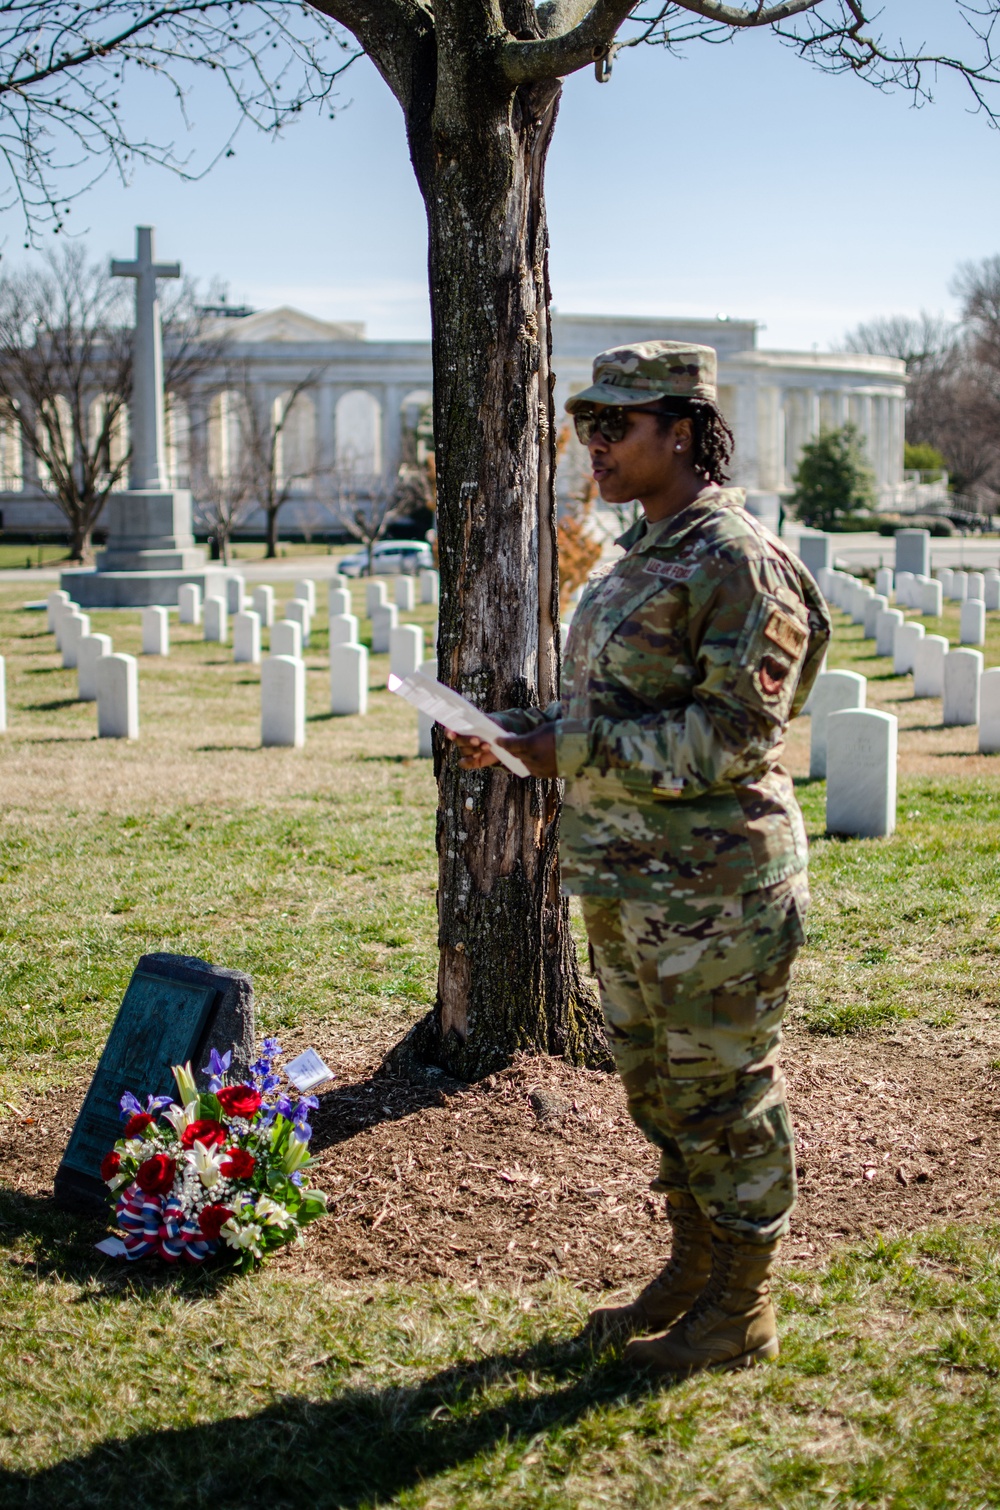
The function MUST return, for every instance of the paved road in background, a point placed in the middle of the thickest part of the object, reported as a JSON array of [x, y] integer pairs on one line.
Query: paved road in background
[[850, 553]]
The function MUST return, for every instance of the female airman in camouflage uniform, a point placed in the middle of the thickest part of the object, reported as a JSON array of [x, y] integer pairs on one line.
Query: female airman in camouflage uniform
[[681, 834]]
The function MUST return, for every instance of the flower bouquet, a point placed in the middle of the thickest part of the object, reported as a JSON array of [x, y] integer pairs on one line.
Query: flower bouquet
[[216, 1169]]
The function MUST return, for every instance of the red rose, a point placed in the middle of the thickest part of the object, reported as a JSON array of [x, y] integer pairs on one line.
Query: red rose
[[212, 1219], [239, 1101], [156, 1175], [207, 1131], [110, 1165], [138, 1124], [238, 1164]]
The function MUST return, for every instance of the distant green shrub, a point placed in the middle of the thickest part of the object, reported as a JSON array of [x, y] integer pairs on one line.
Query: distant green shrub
[[833, 479], [923, 458]]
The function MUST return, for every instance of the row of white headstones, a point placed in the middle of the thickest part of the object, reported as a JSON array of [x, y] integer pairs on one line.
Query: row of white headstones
[[854, 747], [112, 680]]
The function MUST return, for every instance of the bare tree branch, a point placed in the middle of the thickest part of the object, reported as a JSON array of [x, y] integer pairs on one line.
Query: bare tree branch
[[555, 56], [64, 67], [390, 33], [740, 17], [839, 36], [558, 16]]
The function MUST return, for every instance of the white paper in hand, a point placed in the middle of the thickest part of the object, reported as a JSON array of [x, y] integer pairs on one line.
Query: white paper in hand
[[307, 1071], [456, 713]]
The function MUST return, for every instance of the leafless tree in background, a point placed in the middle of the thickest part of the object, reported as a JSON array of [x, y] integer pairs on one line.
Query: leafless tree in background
[[272, 472], [365, 506], [953, 398], [66, 375], [65, 380]]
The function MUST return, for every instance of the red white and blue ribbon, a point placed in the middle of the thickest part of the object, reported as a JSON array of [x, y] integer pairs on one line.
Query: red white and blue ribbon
[[153, 1225]]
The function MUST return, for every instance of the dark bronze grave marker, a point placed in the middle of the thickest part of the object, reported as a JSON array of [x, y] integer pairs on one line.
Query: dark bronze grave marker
[[176, 1009]]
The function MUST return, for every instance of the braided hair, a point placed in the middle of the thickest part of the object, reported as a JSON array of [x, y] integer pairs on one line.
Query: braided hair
[[712, 439]]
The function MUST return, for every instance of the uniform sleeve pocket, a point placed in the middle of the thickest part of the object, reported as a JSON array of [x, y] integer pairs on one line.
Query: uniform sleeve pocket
[[770, 660]]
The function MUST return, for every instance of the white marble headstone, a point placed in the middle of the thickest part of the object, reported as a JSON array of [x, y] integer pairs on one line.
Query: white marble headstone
[[861, 774], [989, 712], [960, 700], [832, 692]]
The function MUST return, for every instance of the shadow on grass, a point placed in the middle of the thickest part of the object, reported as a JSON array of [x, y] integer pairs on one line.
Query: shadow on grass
[[61, 1245], [226, 749], [53, 706], [60, 739], [358, 1448]]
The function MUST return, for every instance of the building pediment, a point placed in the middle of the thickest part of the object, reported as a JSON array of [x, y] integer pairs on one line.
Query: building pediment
[[292, 326]]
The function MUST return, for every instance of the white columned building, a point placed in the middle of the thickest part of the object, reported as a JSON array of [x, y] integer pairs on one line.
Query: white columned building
[[362, 400], [775, 401]]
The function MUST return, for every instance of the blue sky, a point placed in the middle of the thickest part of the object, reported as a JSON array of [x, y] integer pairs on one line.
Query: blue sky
[[735, 180]]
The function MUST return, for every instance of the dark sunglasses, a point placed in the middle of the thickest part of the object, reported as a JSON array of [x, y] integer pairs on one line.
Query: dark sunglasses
[[611, 422]]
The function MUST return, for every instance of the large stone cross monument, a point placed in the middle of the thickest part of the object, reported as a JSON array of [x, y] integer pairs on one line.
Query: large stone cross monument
[[150, 550], [147, 469]]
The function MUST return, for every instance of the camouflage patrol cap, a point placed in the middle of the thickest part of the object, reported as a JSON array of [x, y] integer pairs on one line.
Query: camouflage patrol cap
[[647, 371]]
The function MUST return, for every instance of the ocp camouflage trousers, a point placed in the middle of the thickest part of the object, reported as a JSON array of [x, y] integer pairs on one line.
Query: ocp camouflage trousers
[[694, 994]]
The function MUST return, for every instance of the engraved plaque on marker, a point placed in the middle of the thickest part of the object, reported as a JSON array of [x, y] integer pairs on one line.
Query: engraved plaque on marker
[[176, 1008]]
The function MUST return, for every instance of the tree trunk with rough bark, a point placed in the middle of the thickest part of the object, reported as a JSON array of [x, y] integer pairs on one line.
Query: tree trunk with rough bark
[[508, 978], [81, 546], [272, 534]]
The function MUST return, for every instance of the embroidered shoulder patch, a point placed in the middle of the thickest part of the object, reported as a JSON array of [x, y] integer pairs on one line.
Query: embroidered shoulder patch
[[785, 632], [672, 571]]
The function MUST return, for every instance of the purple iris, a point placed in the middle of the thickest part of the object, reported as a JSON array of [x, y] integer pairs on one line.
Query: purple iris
[[216, 1067], [130, 1106], [262, 1070], [303, 1130]]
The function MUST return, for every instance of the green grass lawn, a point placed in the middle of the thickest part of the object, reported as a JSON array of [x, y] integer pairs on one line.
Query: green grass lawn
[[315, 871], [265, 1391], [27, 556]]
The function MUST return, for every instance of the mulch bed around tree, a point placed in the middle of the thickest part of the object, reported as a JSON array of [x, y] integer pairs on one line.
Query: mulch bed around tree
[[539, 1170]]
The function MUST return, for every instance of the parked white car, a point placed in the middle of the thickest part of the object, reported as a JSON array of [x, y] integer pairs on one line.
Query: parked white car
[[391, 557]]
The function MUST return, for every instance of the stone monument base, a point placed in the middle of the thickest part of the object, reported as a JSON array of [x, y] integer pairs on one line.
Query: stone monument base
[[139, 589], [190, 558]]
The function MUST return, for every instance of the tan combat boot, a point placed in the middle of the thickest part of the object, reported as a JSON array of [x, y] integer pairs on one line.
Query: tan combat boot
[[732, 1323], [674, 1290]]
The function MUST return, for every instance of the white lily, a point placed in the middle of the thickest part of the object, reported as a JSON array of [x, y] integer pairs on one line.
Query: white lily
[[207, 1162], [179, 1117], [243, 1236], [296, 1154], [184, 1076], [272, 1213]]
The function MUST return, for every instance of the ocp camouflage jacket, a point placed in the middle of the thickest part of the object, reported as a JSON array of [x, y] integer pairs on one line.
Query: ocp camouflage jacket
[[685, 661]]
